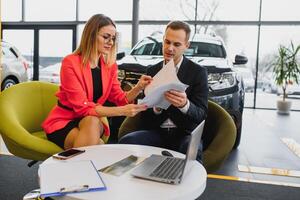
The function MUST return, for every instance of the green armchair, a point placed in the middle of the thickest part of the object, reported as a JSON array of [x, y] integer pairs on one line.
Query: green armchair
[[218, 138], [23, 108]]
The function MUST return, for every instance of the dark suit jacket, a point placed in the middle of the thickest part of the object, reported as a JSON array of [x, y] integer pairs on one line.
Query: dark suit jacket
[[195, 76]]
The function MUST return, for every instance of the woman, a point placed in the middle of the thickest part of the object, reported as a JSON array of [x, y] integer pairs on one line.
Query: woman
[[88, 79]]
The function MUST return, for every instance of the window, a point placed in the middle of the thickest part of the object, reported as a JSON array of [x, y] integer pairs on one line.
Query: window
[[287, 10], [54, 10], [271, 38], [11, 10], [115, 9], [208, 10]]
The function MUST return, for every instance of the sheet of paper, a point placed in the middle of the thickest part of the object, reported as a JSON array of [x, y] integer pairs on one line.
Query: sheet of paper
[[166, 79], [156, 98], [67, 177]]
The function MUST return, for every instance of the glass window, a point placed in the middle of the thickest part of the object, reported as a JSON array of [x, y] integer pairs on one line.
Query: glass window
[[147, 30], [124, 37], [207, 10], [11, 10], [54, 10], [115, 9], [228, 10], [287, 10], [23, 41], [167, 10], [54, 45], [268, 91]]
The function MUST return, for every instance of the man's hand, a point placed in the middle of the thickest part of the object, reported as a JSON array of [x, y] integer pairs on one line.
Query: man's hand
[[143, 82], [176, 98]]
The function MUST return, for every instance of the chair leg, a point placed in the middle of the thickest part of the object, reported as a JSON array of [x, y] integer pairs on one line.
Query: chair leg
[[31, 163]]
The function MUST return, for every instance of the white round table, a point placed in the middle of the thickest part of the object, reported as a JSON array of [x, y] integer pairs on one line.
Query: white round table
[[128, 187]]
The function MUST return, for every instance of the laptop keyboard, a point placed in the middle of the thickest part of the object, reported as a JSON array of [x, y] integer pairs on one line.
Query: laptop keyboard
[[168, 169]]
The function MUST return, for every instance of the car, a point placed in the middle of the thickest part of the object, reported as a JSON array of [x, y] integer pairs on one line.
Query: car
[[225, 86], [291, 89], [247, 77], [270, 86], [50, 73], [14, 66]]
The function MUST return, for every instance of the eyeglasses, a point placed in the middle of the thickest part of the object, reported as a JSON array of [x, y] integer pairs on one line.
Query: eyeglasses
[[108, 38]]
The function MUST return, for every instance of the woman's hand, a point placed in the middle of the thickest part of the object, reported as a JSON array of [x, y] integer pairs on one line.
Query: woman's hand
[[143, 82], [131, 110]]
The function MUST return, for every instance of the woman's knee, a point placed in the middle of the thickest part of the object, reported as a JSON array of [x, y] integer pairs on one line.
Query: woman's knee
[[91, 122]]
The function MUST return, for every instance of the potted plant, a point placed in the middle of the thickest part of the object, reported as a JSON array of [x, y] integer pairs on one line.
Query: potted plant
[[286, 71]]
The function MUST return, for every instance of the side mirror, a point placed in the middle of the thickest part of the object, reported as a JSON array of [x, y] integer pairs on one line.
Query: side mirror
[[120, 55], [239, 60]]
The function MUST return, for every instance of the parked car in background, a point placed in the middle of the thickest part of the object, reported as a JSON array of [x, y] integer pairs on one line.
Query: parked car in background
[[247, 77], [50, 73], [291, 89], [14, 66], [225, 86]]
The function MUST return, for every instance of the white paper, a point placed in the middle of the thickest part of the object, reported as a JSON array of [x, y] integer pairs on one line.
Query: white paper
[[68, 175], [165, 80]]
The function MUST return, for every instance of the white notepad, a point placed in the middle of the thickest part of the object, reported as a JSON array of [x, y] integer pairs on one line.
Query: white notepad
[[69, 177]]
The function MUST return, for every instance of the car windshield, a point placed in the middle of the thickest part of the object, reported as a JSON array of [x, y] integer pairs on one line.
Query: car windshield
[[202, 49], [150, 46]]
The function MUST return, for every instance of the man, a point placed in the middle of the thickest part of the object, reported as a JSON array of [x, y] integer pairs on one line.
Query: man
[[171, 128]]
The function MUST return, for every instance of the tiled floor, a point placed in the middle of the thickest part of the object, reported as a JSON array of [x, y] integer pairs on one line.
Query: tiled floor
[[261, 145]]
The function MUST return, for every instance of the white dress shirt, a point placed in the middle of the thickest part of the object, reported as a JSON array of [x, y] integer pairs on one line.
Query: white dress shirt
[[169, 123]]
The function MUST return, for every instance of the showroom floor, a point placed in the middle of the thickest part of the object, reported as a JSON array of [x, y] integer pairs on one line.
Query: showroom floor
[[262, 145]]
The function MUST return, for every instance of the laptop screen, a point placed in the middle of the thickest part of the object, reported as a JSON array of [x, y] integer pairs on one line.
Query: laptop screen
[[191, 153]]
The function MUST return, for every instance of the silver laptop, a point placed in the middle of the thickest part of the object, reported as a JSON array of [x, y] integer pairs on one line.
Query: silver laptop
[[170, 169]]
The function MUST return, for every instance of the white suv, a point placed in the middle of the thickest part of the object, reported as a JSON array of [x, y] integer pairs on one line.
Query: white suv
[[225, 87]]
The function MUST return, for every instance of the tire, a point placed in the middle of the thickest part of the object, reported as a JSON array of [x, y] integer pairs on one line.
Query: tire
[[8, 83]]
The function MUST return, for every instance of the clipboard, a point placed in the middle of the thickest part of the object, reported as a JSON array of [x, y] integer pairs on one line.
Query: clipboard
[[57, 179]]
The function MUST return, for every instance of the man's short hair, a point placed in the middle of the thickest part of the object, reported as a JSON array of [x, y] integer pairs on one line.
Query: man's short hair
[[178, 25]]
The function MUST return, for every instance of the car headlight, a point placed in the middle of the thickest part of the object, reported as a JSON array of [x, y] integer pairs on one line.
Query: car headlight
[[219, 81], [121, 74]]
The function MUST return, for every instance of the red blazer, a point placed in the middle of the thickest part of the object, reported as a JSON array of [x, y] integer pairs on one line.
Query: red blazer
[[76, 92]]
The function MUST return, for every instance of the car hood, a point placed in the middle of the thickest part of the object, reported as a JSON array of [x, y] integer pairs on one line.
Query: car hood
[[213, 65], [138, 63], [141, 63]]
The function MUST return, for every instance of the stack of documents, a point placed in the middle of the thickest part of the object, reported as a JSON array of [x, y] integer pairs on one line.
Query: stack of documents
[[166, 79], [62, 178]]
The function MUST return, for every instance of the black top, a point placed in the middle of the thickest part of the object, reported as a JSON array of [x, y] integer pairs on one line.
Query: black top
[[97, 83]]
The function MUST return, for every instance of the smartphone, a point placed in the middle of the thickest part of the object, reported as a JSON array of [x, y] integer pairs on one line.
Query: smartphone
[[67, 154]]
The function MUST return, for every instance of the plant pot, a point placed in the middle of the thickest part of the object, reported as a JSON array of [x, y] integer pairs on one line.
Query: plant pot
[[284, 107]]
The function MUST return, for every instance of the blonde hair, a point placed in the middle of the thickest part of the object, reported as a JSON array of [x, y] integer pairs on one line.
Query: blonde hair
[[88, 44]]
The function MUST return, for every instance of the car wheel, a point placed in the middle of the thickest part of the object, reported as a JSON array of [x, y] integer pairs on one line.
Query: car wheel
[[8, 83]]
